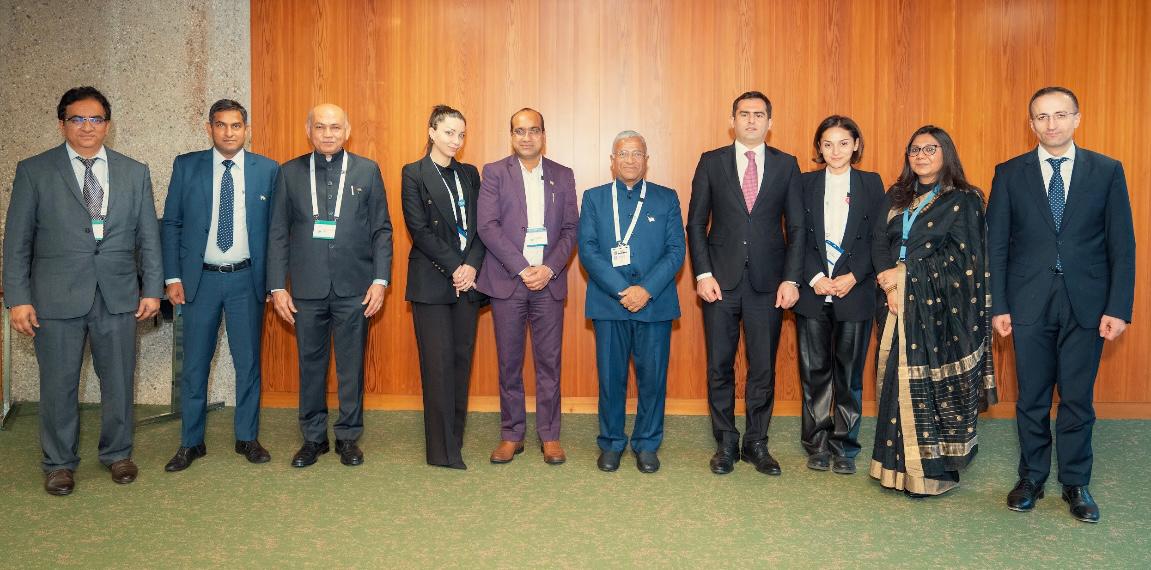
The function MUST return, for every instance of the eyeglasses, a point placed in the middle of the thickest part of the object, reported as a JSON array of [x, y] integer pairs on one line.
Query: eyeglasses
[[928, 149], [524, 133], [78, 121], [636, 154], [1059, 117]]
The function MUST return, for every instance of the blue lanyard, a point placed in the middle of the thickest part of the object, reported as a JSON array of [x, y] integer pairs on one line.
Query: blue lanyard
[[836, 247], [909, 216]]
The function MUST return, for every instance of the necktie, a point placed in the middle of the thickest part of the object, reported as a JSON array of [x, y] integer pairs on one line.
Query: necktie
[[93, 193], [1056, 198], [225, 228], [750, 180]]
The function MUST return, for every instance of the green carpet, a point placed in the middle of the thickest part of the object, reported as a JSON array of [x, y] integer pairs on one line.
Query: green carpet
[[394, 511]]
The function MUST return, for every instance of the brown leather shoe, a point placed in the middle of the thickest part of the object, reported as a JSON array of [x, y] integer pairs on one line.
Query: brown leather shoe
[[59, 482], [123, 471], [553, 453], [506, 451]]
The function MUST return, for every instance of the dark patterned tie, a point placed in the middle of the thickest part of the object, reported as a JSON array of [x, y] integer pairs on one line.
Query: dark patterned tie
[[1055, 195], [93, 192], [227, 209]]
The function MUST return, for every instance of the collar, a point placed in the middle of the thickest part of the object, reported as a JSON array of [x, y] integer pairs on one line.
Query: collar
[[323, 162], [760, 151], [620, 185], [1069, 155], [538, 168], [102, 154], [218, 158]]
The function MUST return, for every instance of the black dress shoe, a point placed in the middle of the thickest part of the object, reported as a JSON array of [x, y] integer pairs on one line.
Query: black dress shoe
[[350, 453], [646, 461], [1022, 498], [309, 453], [253, 451], [1083, 507], [723, 462], [608, 460], [843, 465], [59, 482], [757, 455], [184, 457], [819, 461]]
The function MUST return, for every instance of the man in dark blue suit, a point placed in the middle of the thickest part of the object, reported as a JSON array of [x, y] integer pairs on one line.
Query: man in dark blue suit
[[1062, 260], [631, 243], [215, 235]]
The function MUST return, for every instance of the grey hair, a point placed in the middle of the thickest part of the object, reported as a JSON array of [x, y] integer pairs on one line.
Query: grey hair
[[629, 135]]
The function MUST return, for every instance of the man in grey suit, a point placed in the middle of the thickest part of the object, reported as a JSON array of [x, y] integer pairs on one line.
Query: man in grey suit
[[81, 216], [330, 233]]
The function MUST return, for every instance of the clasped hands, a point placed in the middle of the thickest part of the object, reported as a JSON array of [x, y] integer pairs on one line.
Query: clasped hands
[[536, 277], [464, 279], [838, 287], [634, 298]]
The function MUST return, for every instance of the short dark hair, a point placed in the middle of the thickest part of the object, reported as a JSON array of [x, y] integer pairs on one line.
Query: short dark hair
[[1050, 91], [227, 105], [841, 122], [951, 175], [751, 95], [439, 113], [82, 94], [539, 114]]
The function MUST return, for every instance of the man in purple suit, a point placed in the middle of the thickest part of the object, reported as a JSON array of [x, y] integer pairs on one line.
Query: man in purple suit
[[527, 218]]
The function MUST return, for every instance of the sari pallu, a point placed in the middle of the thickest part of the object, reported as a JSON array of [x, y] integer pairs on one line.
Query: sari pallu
[[935, 371]]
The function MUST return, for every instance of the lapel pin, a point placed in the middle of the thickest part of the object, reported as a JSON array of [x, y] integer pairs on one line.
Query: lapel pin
[[262, 197], [552, 182], [651, 218]]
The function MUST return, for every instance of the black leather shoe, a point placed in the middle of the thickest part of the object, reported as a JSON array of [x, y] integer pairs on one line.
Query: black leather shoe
[[184, 458], [350, 453], [608, 460], [253, 451], [1023, 497], [1083, 507], [843, 465], [309, 453], [819, 461], [757, 455], [646, 461], [723, 462], [59, 482]]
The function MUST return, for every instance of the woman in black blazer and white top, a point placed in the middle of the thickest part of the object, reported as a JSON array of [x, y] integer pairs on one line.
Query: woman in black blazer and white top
[[439, 201], [838, 295]]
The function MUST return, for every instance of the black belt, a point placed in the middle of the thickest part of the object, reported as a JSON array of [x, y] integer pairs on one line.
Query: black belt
[[228, 267]]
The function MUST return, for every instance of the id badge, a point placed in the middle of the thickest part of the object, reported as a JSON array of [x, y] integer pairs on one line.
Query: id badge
[[98, 229], [324, 229], [536, 237], [621, 255]]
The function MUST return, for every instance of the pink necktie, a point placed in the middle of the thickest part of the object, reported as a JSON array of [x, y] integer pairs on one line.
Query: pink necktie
[[750, 180]]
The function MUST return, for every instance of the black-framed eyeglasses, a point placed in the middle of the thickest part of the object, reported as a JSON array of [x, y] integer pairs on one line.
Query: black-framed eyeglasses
[[929, 149], [78, 121]]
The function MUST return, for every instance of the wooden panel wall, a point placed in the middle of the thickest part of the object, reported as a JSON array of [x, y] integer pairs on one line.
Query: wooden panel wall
[[670, 70]]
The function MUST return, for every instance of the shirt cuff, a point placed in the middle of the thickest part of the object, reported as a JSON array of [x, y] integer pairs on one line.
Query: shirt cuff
[[817, 277], [702, 276], [276, 290], [383, 282], [171, 281]]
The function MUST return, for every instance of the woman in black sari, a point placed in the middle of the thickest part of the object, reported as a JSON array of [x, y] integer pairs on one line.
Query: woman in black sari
[[935, 371]]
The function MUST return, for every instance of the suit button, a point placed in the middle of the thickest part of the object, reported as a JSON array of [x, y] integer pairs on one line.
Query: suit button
[[331, 245], [97, 252], [87, 230], [329, 184], [744, 243], [1059, 242]]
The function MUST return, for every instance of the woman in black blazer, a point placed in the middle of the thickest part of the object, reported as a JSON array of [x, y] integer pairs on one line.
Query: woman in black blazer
[[439, 200], [838, 295]]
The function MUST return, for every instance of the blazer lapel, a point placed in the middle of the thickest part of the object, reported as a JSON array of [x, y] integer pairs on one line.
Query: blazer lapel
[[731, 170], [118, 187], [252, 209], [1034, 177], [817, 212], [64, 165], [769, 175], [516, 192], [204, 188], [854, 214], [435, 183], [1079, 185]]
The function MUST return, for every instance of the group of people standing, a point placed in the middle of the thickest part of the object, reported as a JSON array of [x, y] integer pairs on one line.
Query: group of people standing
[[926, 261]]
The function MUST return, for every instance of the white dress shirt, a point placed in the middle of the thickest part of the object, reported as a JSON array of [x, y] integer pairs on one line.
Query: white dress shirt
[[239, 250], [99, 168], [836, 189], [1065, 169], [534, 195]]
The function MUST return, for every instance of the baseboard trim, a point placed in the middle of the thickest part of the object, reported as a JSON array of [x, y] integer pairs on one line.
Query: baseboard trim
[[674, 406]]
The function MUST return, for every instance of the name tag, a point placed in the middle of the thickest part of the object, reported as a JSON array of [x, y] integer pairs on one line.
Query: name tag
[[621, 255], [324, 229], [98, 229], [536, 237]]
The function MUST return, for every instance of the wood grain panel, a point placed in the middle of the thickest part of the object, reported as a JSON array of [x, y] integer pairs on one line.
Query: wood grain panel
[[670, 69]]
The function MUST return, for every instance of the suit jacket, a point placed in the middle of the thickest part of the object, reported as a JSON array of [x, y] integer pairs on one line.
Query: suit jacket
[[188, 217], [503, 221], [362, 249], [866, 205], [736, 237], [1096, 243], [657, 251], [435, 253], [51, 259]]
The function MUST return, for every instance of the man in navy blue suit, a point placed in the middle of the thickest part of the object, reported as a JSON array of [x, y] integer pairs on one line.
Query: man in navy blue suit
[[1062, 259], [215, 235], [631, 243]]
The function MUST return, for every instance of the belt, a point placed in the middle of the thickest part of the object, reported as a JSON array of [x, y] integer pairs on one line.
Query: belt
[[228, 267]]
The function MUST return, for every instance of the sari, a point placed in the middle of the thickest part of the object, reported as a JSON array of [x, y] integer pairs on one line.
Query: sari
[[935, 371]]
